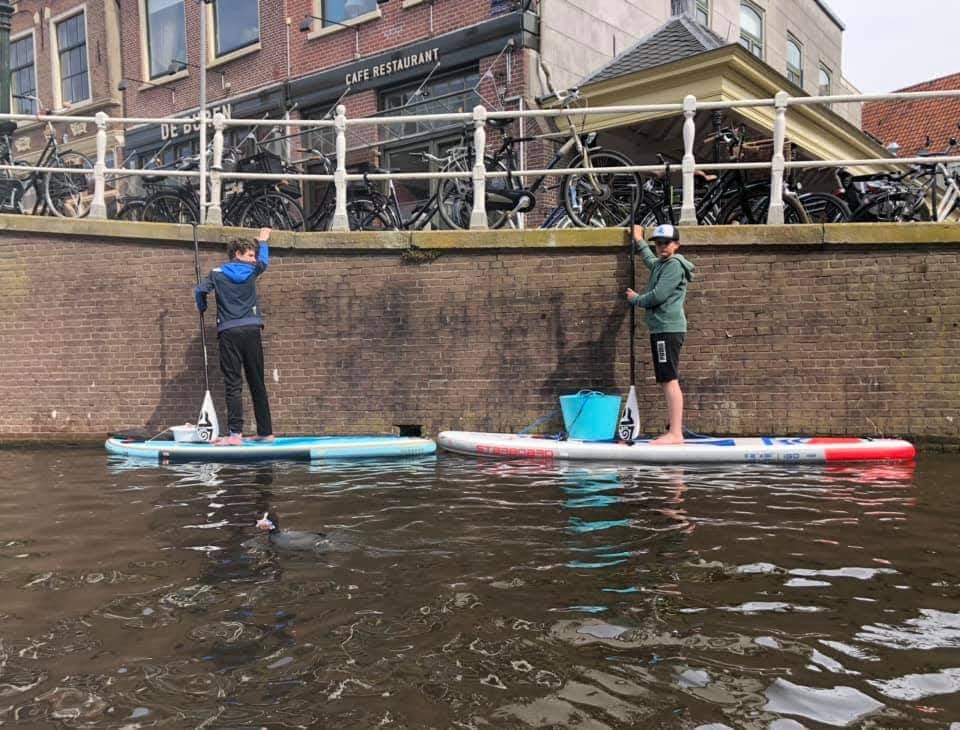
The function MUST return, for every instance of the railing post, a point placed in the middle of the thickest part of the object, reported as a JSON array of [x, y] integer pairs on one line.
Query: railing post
[[777, 163], [340, 221], [478, 216], [215, 211], [688, 209], [98, 208]]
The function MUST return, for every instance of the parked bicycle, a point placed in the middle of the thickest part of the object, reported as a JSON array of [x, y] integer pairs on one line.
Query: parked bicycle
[[65, 194], [590, 198]]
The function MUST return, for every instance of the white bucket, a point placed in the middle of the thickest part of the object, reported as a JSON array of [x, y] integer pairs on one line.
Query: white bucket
[[186, 433]]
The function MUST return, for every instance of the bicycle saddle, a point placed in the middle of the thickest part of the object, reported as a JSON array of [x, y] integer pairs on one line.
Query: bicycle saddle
[[7, 128], [501, 123]]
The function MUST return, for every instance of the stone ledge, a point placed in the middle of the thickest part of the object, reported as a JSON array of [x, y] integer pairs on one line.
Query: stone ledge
[[877, 234]]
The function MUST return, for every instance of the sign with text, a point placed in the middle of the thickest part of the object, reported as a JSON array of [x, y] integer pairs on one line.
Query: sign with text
[[382, 70], [183, 129]]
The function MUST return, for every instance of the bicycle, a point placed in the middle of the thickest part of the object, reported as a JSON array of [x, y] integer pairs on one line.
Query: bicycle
[[65, 194], [719, 199], [591, 199]]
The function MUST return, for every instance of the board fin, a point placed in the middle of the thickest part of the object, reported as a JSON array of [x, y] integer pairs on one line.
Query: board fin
[[629, 427]]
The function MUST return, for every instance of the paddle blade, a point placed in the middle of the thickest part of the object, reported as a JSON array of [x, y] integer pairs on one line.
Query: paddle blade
[[208, 428], [629, 428]]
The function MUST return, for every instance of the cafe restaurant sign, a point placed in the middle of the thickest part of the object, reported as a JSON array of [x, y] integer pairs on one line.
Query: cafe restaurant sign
[[382, 70]]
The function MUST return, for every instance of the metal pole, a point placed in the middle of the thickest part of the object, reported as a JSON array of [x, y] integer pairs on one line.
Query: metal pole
[[203, 111], [6, 13]]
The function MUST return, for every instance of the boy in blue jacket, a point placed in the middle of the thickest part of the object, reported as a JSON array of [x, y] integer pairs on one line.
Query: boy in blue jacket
[[239, 322]]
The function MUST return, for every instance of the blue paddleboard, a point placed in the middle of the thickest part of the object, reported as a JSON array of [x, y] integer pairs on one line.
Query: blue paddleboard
[[301, 448]]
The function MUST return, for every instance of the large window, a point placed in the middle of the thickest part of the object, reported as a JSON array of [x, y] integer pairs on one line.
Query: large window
[[23, 79], [824, 81], [751, 29], [702, 12], [236, 24], [166, 34], [453, 94], [341, 10], [794, 60], [72, 55]]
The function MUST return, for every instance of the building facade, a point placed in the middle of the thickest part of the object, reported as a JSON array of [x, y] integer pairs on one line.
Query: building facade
[[65, 54]]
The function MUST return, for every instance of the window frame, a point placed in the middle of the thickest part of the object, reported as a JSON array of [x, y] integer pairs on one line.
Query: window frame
[[824, 69], [214, 50], [702, 6], [751, 40], [795, 70], [162, 77], [322, 28], [15, 103], [56, 71]]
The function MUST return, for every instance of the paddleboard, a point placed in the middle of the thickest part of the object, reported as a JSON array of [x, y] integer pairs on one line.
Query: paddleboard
[[302, 448], [798, 450]]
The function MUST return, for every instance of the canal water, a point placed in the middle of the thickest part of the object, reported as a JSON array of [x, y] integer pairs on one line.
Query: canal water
[[449, 592]]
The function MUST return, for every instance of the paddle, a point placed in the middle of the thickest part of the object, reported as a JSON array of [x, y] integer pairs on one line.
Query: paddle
[[208, 428], [629, 427]]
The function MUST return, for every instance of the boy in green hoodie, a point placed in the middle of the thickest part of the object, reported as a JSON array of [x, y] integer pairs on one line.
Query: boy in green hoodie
[[663, 301]]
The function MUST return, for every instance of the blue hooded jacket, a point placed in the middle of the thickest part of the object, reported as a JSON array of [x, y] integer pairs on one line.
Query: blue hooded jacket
[[235, 286]]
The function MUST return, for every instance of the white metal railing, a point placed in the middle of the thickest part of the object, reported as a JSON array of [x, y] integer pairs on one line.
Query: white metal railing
[[479, 175]]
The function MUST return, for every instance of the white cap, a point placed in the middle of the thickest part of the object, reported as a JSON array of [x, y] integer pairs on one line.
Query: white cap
[[665, 232]]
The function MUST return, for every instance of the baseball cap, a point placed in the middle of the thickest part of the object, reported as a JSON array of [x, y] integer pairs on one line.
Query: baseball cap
[[665, 232]]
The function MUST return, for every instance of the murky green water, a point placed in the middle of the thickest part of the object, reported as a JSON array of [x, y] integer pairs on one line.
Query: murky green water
[[454, 593]]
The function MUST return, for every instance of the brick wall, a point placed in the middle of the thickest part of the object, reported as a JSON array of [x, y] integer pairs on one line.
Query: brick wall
[[844, 338]]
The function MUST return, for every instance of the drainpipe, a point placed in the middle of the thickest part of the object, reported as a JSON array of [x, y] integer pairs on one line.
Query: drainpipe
[[6, 13]]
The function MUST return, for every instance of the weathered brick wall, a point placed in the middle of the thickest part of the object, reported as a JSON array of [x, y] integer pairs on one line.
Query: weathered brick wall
[[100, 333]]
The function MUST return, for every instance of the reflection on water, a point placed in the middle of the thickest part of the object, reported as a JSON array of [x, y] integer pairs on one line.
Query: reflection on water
[[450, 592]]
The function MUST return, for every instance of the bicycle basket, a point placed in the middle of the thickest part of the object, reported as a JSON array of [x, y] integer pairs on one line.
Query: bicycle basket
[[262, 162]]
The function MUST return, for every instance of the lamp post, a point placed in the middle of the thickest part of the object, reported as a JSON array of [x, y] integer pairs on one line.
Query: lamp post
[[307, 24], [6, 13]]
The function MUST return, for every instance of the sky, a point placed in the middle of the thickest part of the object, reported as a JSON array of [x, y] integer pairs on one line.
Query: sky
[[889, 44]]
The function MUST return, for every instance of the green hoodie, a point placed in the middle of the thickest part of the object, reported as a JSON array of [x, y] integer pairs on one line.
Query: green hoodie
[[665, 292]]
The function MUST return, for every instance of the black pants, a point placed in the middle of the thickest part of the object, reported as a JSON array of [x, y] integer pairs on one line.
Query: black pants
[[242, 348]]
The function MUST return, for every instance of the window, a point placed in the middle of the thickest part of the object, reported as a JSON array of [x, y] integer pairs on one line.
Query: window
[[166, 34], [72, 55], [751, 29], [453, 94], [23, 79], [236, 24], [794, 60], [341, 10], [825, 81], [702, 12]]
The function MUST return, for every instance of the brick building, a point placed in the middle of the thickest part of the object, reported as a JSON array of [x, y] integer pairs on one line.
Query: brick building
[[66, 54]]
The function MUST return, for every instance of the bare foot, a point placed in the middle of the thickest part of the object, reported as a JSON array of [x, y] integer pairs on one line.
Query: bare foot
[[668, 439], [233, 439], [267, 438]]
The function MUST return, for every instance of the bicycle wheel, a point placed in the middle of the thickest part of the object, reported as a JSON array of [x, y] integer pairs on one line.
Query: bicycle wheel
[[169, 206], [365, 215], [455, 197], [604, 198], [69, 194], [132, 210], [825, 208], [273, 209], [894, 207], [753, 210]]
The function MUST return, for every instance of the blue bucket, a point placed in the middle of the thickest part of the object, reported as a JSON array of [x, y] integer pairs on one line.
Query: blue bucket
[[590, 416]]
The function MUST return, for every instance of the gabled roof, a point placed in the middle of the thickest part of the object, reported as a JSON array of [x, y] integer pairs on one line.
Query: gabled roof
[[678, 38], [909, 122]]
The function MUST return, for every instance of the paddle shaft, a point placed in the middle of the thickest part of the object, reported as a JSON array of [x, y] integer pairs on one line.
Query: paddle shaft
[[633, 285], [203, 330]]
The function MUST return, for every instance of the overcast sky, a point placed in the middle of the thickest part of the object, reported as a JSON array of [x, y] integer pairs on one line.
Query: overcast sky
[[889, 44]]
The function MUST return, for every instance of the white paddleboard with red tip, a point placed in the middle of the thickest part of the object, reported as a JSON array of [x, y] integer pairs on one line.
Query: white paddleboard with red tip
[[776, 449]]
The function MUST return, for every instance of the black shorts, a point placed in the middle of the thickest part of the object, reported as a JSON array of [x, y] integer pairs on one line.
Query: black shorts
[[665, 348]]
